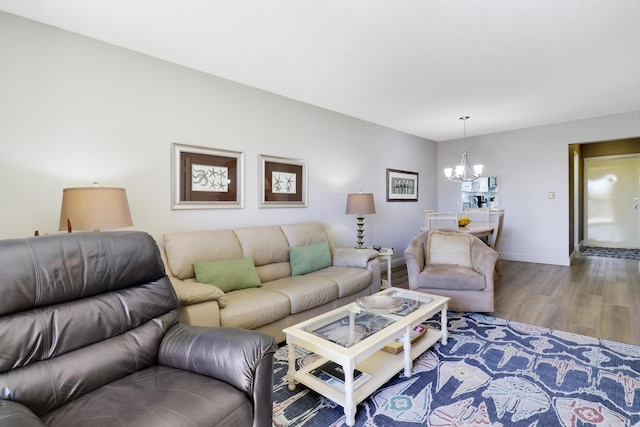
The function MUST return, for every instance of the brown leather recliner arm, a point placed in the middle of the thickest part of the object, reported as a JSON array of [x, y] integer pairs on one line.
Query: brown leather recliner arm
[[240, 357]]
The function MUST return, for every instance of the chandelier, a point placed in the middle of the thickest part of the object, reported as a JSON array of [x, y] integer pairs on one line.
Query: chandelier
[[463, 172]]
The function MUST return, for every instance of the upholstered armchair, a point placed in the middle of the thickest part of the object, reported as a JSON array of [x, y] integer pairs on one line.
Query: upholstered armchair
[[89, 336], [453, 264]]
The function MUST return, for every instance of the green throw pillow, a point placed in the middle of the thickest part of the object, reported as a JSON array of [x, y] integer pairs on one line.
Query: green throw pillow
[[305, 259], [228, 274]]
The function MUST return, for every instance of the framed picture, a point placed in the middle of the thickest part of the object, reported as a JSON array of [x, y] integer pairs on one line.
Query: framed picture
[[283, 182], [206, 178], [402, 186]]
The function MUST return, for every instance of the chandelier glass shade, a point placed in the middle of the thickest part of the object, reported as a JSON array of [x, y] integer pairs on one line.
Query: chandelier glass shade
[[463, 172]]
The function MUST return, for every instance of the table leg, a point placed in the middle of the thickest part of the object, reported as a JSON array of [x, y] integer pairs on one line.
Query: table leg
[[443, 325], [407, 352], [349, 406], [352, 327], [291, 372], [389, 270]]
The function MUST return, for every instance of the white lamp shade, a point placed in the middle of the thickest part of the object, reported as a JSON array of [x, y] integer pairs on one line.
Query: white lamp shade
[[95, 208]]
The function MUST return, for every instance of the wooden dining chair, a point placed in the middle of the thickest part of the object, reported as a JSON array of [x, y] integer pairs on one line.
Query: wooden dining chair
[[477, 214], [496, 217], [425, 217], [443, 221]]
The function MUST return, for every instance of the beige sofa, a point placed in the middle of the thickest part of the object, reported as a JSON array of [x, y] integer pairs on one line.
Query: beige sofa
[[281, 299]]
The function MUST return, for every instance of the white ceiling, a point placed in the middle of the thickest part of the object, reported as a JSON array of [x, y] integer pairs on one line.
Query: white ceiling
[[411, 65]]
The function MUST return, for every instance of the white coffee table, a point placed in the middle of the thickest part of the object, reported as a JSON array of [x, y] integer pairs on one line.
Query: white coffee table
[[354, 338]]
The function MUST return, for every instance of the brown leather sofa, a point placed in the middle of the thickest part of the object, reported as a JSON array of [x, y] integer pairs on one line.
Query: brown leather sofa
[[89, 336]]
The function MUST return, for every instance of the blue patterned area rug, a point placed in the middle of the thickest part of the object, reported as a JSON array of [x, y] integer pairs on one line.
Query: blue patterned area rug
[[492, 373], [612, 252]]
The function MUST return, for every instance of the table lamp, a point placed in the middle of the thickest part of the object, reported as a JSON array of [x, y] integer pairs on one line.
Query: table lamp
[[360, 204], [94, 208]]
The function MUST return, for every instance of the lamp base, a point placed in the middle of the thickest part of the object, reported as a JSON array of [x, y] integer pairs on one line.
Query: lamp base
[[360, 231]]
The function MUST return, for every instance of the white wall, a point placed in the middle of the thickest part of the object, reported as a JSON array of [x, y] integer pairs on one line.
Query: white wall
[[530, 163], [74, 110]]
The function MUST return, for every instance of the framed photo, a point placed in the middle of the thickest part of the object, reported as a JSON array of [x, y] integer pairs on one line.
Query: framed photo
[[206, 178], [283, 182], [402, 186]]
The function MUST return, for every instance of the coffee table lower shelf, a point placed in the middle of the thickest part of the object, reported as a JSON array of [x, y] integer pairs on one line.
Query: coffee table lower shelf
[[382, 366]]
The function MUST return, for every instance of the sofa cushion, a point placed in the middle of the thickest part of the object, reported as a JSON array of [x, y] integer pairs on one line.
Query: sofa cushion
[[267, 245], [185, 248], [228, 274], [305, 292], [449, 248], [254, 307], [304, 233], [305, 259], [451, 277], [350, 280], [157, 396], [278, 270]]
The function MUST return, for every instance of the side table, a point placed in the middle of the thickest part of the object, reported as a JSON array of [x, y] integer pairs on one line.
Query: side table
[[386, 254]]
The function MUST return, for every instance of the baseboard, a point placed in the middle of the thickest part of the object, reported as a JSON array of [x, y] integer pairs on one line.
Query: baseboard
[[506, 256], [397, 262]]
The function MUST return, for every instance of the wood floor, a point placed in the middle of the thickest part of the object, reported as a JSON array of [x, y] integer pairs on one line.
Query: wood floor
[[595, 296]]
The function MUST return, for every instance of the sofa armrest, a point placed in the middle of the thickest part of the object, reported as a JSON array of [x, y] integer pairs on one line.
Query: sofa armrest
[[352, 257], [14, 414], [191, 292], [484, 261], [374, 267], [239, 357]]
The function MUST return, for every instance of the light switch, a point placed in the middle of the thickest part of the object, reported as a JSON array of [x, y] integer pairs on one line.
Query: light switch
[[552, 194]]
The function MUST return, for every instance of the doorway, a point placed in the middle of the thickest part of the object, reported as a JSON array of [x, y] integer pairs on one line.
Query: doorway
[[612, 201]]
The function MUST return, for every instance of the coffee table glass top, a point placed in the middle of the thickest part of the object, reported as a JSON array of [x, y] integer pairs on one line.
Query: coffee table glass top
[[354, 324]]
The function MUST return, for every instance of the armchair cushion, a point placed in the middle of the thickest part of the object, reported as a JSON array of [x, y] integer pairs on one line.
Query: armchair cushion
[[14, 414], [442, 276], [157, 396], [449, 248], [228, 274]]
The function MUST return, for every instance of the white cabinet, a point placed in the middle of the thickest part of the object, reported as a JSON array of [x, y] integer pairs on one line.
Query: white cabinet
[[483, 192], [483, 184]]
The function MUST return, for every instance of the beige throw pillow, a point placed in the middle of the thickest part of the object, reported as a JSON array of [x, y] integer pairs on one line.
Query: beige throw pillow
[[449, 248]]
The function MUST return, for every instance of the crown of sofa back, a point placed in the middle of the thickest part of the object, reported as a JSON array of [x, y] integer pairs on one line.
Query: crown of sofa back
[[79, 311], [268, 245]]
